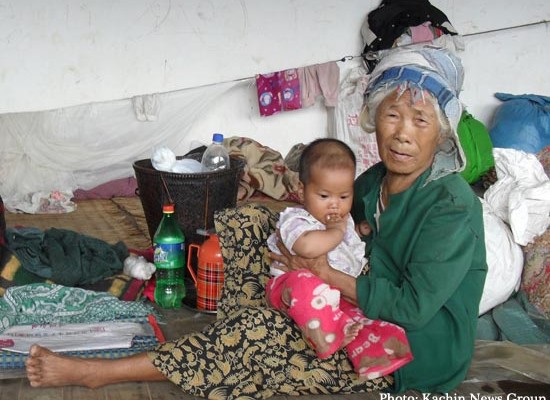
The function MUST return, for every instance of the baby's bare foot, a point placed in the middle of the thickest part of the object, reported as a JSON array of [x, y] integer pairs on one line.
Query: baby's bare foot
[[351, 331]]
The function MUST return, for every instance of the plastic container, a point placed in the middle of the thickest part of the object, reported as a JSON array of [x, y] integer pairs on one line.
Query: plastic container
[[169, 259], [215, 156], [208, 278]]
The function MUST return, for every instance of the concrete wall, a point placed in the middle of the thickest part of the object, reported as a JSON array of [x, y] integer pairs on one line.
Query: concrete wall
[[61, 53]]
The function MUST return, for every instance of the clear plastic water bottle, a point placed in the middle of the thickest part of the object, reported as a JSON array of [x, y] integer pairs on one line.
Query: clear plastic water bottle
[[215, 156], [169, 259]]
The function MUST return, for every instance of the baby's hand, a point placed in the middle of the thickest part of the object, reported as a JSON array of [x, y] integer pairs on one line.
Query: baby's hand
[[335, 221]]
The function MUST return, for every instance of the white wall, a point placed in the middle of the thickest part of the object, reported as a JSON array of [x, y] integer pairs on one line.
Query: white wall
[[60, 53]]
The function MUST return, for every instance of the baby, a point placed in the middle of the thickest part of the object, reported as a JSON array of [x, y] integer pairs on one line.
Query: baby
[[323, 226]]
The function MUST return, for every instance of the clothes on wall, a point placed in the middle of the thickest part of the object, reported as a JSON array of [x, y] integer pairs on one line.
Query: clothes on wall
[[320, 80], [278, 91], [385, 24], [295, 88]]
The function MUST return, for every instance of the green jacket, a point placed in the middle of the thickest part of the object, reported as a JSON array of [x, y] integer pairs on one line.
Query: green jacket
[[427, 271]]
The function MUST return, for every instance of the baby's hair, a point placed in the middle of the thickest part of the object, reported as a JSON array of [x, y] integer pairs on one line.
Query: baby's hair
[[325, 153]]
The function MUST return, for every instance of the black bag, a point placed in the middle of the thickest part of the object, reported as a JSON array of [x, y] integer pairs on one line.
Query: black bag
[[391, 19]]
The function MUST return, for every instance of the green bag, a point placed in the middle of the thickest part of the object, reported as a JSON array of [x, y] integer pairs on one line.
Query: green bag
[[477, 145]]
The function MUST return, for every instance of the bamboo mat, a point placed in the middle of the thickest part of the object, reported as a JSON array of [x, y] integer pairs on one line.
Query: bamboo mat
[[111, 220]]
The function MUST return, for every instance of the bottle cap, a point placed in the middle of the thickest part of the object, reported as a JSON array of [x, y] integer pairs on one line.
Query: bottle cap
[[217, 137], [168, 208]]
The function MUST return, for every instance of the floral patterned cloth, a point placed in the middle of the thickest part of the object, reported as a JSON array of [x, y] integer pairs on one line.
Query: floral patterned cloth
[[252, 351], [265, 170], [536, 270], [46, 303]]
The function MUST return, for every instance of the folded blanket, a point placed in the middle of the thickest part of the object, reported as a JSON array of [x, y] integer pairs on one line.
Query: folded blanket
[[13, 274], [43, 303], [66, 257]]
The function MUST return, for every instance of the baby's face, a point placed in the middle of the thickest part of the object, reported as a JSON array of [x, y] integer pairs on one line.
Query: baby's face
[[328, 192]]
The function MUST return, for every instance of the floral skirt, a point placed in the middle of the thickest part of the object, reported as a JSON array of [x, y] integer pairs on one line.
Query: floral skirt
[[252, 351]]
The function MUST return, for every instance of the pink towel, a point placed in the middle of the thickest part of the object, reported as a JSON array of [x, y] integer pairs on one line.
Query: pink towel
[[422, 33], [320, 79]]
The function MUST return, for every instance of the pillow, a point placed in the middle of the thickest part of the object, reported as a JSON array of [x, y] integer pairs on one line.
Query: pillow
[[243, 233]]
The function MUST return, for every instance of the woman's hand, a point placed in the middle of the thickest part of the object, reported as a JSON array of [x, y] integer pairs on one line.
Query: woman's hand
[[320, 267], [290, 262]]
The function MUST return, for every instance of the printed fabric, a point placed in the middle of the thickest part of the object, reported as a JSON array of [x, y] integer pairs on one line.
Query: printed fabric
[[278, 91], [44, 303], [265, 170], [325, 319]]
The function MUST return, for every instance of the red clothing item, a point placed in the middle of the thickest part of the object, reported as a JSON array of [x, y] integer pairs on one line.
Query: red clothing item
[[378, 349]]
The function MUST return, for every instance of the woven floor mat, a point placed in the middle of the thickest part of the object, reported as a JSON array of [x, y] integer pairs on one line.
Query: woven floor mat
[[111, 220]]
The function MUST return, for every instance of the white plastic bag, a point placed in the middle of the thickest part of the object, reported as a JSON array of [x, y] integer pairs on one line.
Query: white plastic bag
[[504, 261], [164, 159], [521, 195]]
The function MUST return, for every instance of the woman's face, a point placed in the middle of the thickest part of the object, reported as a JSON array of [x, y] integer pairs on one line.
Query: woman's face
[[407, 135]]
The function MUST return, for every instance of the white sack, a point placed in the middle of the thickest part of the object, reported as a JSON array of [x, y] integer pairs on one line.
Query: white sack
[[521, 195], [343, 122], [504, 261]]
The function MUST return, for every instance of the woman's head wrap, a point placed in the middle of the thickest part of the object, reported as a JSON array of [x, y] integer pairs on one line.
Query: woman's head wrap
[[432, 69]]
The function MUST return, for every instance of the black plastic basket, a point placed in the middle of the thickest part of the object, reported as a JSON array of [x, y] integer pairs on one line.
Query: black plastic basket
[[196, 195]]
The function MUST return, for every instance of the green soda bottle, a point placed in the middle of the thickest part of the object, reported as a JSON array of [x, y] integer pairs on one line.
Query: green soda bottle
[[169, 259]]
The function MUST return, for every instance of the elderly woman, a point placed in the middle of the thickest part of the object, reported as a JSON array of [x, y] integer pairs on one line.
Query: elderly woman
[[427, 251], [426, 256]]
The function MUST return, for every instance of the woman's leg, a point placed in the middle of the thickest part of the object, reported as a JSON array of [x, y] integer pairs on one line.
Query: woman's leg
[[253, 351], [46, 369]]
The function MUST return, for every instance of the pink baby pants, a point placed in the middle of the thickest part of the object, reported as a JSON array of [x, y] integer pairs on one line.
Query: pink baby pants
[[380, 347]]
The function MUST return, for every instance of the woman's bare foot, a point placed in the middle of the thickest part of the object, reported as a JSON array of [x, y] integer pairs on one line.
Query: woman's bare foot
[[351, 331], [47, 369]]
